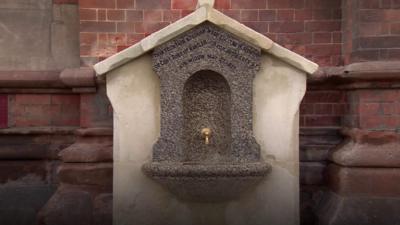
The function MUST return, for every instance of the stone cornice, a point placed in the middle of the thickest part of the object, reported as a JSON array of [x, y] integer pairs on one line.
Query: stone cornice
[[363, 75], [374, 70], [73, 80]]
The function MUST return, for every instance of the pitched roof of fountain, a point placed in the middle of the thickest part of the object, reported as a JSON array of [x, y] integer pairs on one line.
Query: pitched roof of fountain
[[205, 12]]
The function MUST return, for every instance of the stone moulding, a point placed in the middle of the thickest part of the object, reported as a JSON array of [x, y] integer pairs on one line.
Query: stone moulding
[[207, 183], [75, 80], [364, 148], [362, 71]]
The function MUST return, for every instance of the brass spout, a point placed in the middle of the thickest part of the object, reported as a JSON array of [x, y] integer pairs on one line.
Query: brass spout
[[206, 133]]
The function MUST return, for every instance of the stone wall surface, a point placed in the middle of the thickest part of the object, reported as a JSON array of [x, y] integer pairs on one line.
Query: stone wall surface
[[52, 42]]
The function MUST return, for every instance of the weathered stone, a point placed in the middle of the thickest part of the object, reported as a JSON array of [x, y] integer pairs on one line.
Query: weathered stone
[[96, 110], [24, 172], [38, 130], [78, 77], [30, 79], [367, 155], [88, 150], [361, 71], [57, 50], [314, 154], [372, 137], [373, 70], [95, 131], [312, 173], [310, 197], [103, 208], [207, 183], [68, 206], [26, 4], [65, 37], [361, 210], [99, 174], [201, 3], [320, 137], [371, 182], [23, 151], [20, 204], [368, 149], [25, 144]]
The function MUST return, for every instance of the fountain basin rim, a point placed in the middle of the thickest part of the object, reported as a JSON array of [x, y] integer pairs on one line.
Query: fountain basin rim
[[179, 169]]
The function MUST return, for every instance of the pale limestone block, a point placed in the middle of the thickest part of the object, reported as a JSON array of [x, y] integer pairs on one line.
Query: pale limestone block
[[278, 91], [134, 94]]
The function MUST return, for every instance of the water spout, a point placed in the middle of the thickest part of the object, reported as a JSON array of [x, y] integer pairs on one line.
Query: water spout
[[206, 133]]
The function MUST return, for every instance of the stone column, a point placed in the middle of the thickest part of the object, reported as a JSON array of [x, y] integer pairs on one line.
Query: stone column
[[364, 169]]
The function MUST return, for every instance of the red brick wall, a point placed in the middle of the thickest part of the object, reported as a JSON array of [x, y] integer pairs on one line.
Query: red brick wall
[[372, 31], [374, 109], [28, 110], [3, 111], [311, 28], [323, 108]]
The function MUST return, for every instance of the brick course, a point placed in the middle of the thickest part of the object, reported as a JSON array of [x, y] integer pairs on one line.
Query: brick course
[[323, 109], [3, 111], [29, 110], [374, 109], [295, 24], [372, 31]]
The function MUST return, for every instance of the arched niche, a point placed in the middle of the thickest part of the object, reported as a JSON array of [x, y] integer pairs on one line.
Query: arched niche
[[206, 104]]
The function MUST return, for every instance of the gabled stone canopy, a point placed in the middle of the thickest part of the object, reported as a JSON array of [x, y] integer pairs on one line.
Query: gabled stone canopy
[[205, 12]]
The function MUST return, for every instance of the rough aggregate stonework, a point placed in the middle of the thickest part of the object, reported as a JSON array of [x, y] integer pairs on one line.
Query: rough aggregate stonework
[[206, 47], [206, 103], [206, 79]]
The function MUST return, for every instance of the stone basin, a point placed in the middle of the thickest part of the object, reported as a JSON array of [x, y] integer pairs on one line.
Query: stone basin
[[207, 182]]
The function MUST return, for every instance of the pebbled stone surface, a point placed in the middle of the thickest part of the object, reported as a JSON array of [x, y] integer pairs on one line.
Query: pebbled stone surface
[[206, 48]]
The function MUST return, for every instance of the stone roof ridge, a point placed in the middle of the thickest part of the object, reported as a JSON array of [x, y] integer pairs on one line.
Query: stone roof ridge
[[205, 12]]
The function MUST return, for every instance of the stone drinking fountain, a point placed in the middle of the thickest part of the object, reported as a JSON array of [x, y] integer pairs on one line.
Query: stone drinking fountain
[[206, 150], [206, 125]]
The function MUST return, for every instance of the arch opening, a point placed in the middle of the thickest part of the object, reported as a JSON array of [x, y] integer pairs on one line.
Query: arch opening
[[206, 104]]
